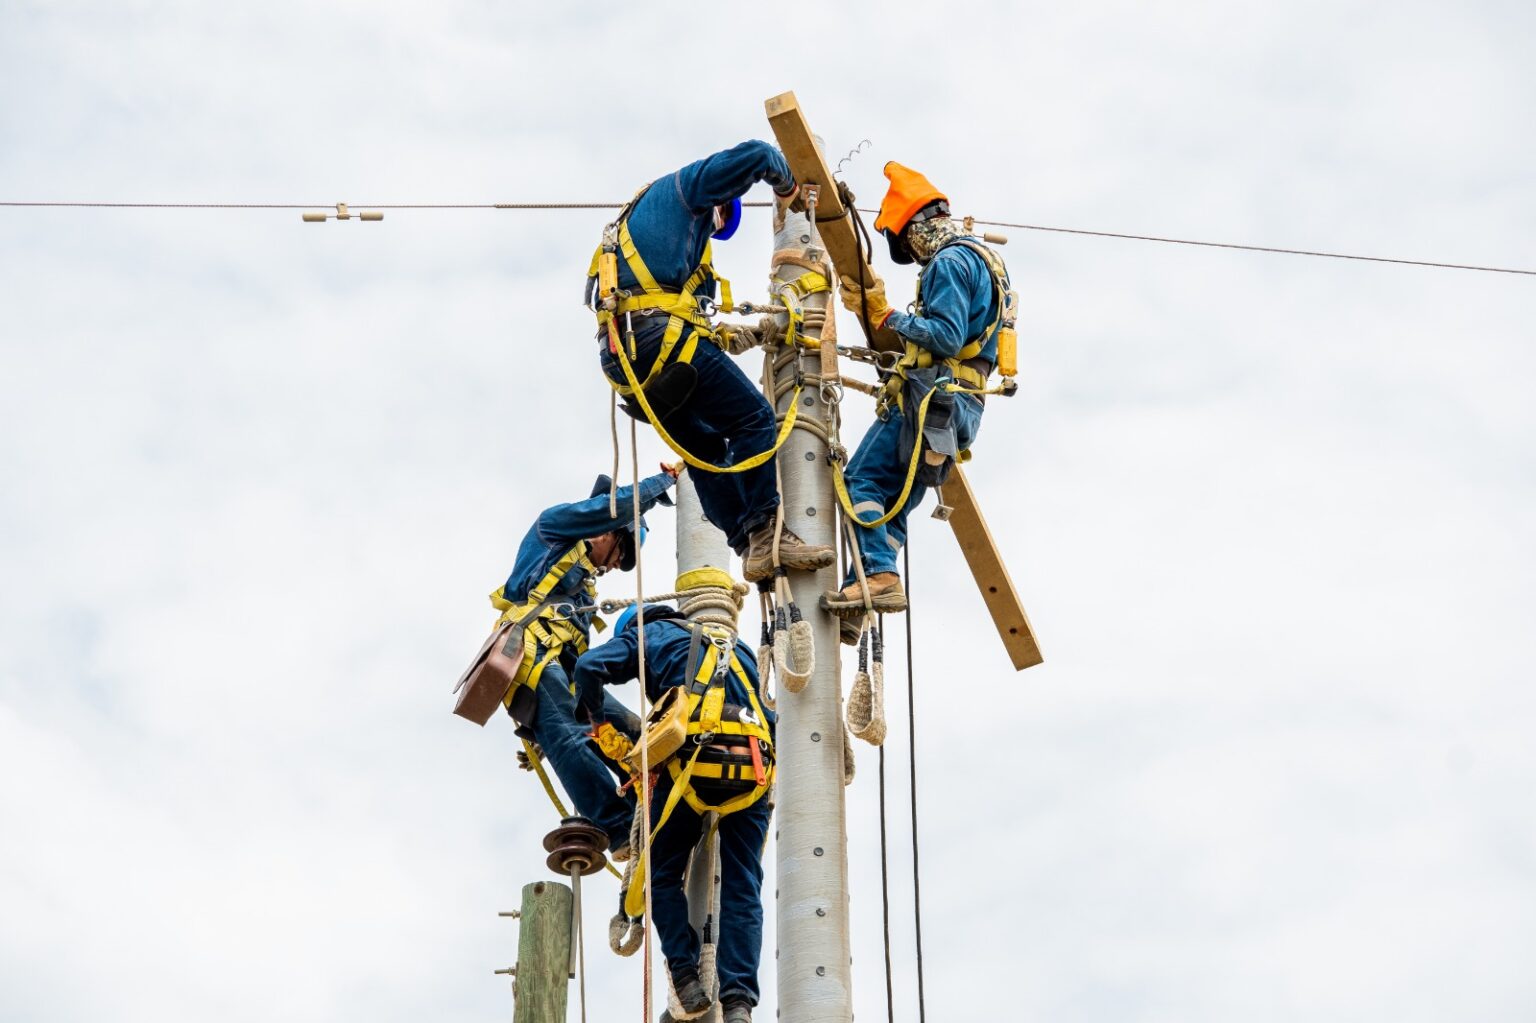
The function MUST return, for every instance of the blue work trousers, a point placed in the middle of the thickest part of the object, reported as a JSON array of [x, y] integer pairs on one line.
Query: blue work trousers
[[581, 767], [738, 923], [726, 420], [876, 475]]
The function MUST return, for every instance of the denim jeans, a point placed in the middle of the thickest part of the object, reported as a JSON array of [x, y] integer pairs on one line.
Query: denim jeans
[[725, 421], [738, 923], [587, 776], [875, 476]]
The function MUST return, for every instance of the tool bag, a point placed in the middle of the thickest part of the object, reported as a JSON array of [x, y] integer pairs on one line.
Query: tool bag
[[491, 675], [666, 728]]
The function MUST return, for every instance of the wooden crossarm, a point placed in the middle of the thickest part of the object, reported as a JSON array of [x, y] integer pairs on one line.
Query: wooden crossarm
[[991, 574], [809, 166]]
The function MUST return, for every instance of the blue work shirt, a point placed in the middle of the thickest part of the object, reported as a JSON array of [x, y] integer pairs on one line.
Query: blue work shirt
[[959, 304], [666, 665], [675, 217], [559, 528]]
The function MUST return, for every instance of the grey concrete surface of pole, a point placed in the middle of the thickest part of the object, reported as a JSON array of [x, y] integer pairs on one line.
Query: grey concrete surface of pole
[[815, 984], [700, 545]]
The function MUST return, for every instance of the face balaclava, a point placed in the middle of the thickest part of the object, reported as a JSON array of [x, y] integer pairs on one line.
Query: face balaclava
[[927, 237]]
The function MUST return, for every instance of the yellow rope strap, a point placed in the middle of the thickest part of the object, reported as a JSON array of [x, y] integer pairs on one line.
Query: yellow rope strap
[[917, 453], [537, 763], [638, 392]]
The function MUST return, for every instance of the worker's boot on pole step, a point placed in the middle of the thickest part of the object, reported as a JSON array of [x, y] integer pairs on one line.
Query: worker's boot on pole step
[[885, 595], [692, 999], [794, 552], [737, 1010]]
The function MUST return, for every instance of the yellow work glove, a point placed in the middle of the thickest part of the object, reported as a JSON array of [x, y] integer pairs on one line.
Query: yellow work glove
[[614, 743], [866, 301]]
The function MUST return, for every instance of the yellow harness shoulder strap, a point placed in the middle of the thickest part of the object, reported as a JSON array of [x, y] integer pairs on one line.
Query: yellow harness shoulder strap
[[548, 627]]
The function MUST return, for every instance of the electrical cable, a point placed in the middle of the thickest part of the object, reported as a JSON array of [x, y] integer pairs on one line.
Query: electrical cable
[[1165, 240]]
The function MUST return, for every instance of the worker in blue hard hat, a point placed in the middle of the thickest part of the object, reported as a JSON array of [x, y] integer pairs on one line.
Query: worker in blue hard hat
[[724, 766], [655, 292], [554, 580], [930, 409]]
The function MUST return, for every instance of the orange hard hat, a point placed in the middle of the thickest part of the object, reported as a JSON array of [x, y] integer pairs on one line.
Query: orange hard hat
[[909, 193]]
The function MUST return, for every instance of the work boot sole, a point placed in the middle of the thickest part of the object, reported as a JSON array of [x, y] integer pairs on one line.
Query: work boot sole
[[756, 569], [849, 630], [883, 603]]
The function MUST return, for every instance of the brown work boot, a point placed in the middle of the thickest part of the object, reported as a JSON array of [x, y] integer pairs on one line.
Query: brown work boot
[[849, 630], [794, 552], [885, 592]]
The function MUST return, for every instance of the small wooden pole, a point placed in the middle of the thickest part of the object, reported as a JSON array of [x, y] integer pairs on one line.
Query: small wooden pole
[[543, 954]]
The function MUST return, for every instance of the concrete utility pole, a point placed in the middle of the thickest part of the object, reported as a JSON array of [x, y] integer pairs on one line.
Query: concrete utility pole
[[815, 985], [701, 545]]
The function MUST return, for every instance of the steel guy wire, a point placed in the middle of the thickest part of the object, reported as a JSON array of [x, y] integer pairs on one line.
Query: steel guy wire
[[1161, 239]]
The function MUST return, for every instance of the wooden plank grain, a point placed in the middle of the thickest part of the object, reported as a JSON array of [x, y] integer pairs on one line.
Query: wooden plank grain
[[834, 221], [990, 573]]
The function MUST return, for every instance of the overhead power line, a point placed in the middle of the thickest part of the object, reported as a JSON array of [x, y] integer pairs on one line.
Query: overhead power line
[[616, 205]]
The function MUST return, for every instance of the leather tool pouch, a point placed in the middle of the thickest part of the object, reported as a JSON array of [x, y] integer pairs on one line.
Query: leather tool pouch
[[491, 675], [667, 393], [940, 441]]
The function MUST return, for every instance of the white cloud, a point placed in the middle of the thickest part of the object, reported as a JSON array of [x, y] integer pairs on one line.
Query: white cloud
[[1270, 515]]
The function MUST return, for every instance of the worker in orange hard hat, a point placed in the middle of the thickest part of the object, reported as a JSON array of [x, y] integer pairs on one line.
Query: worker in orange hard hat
[[930, 410]]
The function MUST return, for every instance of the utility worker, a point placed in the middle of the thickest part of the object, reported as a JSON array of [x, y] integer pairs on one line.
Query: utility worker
[[931, 407], [556, 572], [654, 289], [725, 767]]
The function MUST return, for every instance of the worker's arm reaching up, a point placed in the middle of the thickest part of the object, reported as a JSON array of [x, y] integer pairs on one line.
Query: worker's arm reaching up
[[714, 180], [583, 520]]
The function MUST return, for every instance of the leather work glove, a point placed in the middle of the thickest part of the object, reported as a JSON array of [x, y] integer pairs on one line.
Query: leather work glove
[[870, 300], [614, 743], [523, 763], [739, 338], [794, 201], [673, 469]]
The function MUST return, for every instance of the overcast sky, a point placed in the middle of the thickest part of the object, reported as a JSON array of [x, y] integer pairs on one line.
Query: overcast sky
[[1273, 517]]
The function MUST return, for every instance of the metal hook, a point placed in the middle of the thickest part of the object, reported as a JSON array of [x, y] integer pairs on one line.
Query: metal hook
[[855, 151]]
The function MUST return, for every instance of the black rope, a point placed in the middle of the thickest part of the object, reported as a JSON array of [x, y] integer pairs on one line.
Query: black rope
[[885, 888], [917, 886]]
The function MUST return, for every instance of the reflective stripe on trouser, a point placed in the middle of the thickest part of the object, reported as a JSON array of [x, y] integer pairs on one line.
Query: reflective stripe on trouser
[[875, 476], [726, 420], [581, 769], [738, 927]]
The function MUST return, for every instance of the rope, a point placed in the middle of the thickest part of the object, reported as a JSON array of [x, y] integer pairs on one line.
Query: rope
[[885, 899], [917, 888], [645, 749]]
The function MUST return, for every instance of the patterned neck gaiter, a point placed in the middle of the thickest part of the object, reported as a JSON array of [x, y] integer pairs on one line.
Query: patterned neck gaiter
[[928, 237]]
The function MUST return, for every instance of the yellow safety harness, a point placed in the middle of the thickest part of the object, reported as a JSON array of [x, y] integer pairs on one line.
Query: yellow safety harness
[[706, 722], [685, 313], [963, 379], [917, 357], [549, 626]]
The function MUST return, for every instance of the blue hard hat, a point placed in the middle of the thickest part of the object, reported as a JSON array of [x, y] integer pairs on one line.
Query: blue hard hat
[[732, 219]]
